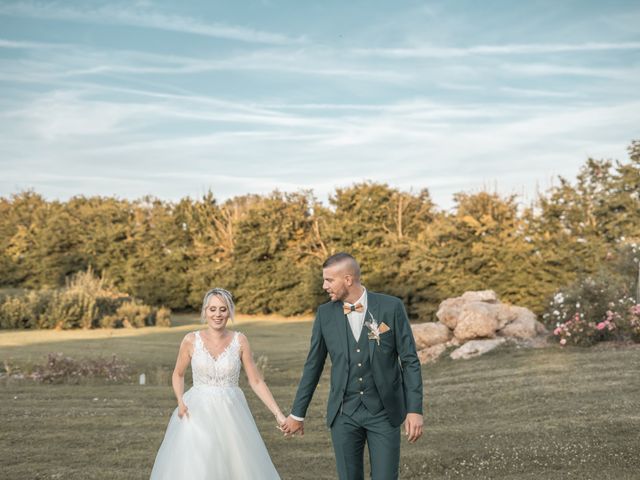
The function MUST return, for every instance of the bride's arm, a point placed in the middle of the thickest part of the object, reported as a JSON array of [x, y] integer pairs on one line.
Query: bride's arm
[[177, 379], [258, 385]]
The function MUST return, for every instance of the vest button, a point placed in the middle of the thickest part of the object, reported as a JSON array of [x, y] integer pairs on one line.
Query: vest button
[[361, 393], [358, 350], [359, 364], [360, 379]]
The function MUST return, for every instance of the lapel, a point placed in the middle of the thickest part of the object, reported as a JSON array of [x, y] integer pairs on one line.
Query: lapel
[[341, 319], [372, 310]]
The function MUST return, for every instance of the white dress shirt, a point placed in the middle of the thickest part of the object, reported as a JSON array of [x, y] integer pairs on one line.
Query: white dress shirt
[[356, 319]]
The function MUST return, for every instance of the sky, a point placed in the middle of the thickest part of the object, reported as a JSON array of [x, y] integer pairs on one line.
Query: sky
[[174, 99]]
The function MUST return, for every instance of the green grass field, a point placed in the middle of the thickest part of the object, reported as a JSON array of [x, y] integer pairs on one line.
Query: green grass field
[[513, 414]]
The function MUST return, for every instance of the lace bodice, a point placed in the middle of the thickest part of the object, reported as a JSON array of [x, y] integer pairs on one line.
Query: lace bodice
[[223, 371]]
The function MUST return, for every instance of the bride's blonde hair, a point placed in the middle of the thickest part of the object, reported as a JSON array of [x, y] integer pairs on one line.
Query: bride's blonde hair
[[223, 295]]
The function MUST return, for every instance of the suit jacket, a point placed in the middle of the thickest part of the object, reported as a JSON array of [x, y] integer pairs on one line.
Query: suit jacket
[[394, 363]]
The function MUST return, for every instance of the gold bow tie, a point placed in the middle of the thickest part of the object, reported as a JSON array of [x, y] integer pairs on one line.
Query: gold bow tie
[[358, 307]]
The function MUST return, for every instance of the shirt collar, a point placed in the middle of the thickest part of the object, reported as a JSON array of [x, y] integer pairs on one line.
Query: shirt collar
[[362, 300]]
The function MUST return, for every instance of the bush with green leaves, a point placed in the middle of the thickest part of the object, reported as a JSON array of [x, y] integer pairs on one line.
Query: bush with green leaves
[[25, 310], [69, 309], [14, 313], [162, 317], [86, 301], [631, 323], [129, 314]]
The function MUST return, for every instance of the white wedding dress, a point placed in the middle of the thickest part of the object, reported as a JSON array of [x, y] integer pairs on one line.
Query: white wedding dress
[[219, 439]]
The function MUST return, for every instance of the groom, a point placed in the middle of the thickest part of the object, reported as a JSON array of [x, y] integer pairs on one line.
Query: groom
[[376, 383]]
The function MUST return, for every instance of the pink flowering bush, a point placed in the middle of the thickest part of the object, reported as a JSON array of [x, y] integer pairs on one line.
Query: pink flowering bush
[[580, 331], [633, 323], [601, 306], [576, 331]]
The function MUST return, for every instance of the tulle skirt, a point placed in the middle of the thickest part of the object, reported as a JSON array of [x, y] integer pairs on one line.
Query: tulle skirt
[[219, 440]]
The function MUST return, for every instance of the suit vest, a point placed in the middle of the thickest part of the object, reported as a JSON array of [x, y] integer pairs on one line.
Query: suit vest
[[360, 385]]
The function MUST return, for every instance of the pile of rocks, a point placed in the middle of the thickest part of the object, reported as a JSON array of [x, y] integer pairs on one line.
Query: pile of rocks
[[476, 323]]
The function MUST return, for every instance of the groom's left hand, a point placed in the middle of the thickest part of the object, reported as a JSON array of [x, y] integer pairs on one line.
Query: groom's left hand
[[413, 426]]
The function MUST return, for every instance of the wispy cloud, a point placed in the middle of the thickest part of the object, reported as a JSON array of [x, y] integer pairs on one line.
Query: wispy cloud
[[426, 143], [22, 45], [430, 51], [128, 15], [537, 93], [269, 109], [548, 69], [78, 61]]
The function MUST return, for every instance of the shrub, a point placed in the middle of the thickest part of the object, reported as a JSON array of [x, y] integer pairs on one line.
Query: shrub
[[598, 307], [576, 331], [631, 325], [129, 314], [24, 310], [109, 304], [579, 331], [592, 297], [163, 317], [85, 302], [107, 298], [14, 313], [69, 309]]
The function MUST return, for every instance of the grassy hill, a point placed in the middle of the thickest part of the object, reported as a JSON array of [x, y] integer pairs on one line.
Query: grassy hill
[[516, 414]]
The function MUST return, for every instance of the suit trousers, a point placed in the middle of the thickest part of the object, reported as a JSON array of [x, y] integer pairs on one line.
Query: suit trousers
[[349, 434]]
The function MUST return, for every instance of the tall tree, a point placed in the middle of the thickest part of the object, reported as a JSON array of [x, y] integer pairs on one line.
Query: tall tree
[[156, 269], [271, 263]]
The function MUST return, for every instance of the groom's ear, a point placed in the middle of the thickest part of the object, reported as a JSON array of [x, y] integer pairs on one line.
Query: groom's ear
[[348, 279]]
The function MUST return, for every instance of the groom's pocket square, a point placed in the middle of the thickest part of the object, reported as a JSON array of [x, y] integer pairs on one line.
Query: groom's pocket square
[[384, 327]]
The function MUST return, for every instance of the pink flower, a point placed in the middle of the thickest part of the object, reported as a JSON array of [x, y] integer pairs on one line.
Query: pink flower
[[557, 331], [563, 342], [601, 326]]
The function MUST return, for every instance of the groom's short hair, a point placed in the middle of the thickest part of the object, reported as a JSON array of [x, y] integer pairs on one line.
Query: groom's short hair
[[347, 260]]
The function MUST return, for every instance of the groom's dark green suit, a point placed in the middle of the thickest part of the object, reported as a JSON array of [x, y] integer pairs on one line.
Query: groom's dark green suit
[[373, 386]]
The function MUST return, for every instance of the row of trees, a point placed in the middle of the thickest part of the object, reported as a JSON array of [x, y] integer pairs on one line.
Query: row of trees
[[268, 249]]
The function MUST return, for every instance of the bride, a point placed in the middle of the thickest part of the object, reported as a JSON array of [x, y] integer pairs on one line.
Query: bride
[[212, 434]]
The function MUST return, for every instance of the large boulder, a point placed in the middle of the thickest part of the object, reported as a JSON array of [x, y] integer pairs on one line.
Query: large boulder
[[430, 333], [475, 316], [449, 311], [431, 354], [477, 320], [505, 313], [525, 325], [475, 348]]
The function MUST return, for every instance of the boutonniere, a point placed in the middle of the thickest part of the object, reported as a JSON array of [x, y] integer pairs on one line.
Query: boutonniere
[[374, 329]]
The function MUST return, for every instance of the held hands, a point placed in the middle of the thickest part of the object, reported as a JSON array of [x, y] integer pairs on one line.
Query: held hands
[[292, 426], [413, 427]]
